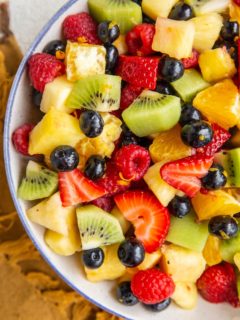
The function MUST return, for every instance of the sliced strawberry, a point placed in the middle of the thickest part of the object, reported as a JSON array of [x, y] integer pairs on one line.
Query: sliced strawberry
[[150, 219], [75, 188], [191, 62], [139, 39], [129, 94], [219, 138], [185, 174]]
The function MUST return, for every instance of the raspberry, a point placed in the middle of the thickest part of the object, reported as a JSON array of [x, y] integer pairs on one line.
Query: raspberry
[[44, 68], [129, 94], [152, 286], [132, 161], [81, 27], [105, 203], [139, 39], [20, 138], [191, 62]]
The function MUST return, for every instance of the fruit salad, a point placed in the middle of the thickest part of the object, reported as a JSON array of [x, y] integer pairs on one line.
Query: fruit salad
[[135, 162]]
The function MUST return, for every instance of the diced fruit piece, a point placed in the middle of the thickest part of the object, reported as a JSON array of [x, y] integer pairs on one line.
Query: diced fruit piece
[[236, 259], [216, 65], [228, 248], [211, 251], [20, 138], [105, 203], [76, 56], [98, 93], [126, 14], [189, 85], [207, 30], [202, 7], [152, 112], [181, 33], [138, 71], [56, 128], [111, 268], [150, 260], [155, 8], [192, 61], [152, 226], [234, 11], [187, 233], [55, 95], [128, 95], [220, 104], [125, 224], [163, 191], [75, 188], [38, 183], [185, 174], [121, 44], [97, 227], [50, 214], [185, 295], [216, 203], [168, 146]]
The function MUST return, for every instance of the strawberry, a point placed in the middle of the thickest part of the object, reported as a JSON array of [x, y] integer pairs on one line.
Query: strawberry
[[150, 219], [237, 2], [139, 39], [129, 94], [219, 138], [185, 174], [191, 62], [20, 138], [139, 71], [75, 188]]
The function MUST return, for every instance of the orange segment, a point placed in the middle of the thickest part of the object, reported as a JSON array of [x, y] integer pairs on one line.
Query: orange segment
[[211, 252]]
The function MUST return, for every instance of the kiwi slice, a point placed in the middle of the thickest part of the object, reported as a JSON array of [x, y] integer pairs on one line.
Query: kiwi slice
[[39, 182], [98, 93], [188, 233], [228, 248], [97, 227], [201, 7], [125, 13], [152, 112], [189, 85]]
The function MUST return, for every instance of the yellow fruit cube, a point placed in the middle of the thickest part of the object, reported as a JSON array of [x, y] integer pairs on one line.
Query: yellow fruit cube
[[121, 44], [236, 259], [216, 65], [220, 104], [125, 224], [157, 8], [211, 251], [76, 56], [55, 129], [185, 295], [150, 260], [234, 11]]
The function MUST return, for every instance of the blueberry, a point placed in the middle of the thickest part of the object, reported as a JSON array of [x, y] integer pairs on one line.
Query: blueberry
[[37, 97], [170, 69], [215, 179], [181, 11], [125, 295], [164, 87], [54, 46], [131, 253], [64, 158], [91, 123], [108, 32], [223, 227], [127, 137], [111, 57], [197, 134], [159, 306], [93, 258], [230, 30], [95, 167], [189, 115], [180, 206]]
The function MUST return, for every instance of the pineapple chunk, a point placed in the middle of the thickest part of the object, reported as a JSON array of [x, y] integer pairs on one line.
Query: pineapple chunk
[[52, 215], [208, 6], [236, 259], [211, 251], [150, 260], [185, 295], [111, 268], [121, 44], [55, 95], [174, 38], [156, 8], [76, 56], [125, 225], [234, 11], [207, 30], [216, 65], [182, 264], [56, 128]]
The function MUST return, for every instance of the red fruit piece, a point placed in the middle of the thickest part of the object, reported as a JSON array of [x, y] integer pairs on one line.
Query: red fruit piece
[[219, 138], [185, 174], [139, 71], [105, 203], [139, 40], [152, 286], [237, 2], [129, 94], [44, 68], [20, 138], [149, 218], [81, 27], [218, 284], [132, 161], [191, 62], [75, 188]]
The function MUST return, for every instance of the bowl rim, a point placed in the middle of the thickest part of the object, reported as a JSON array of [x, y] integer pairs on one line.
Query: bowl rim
[[6, 153]]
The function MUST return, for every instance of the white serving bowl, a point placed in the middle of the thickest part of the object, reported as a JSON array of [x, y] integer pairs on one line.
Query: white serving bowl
[[20, 110]]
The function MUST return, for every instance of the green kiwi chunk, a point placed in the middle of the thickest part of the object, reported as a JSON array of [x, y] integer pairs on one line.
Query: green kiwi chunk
[[228, 248], [152, 112], [188, 233], [189, 85], [97, 227], [39, 182], [125, 13], [98, 93]]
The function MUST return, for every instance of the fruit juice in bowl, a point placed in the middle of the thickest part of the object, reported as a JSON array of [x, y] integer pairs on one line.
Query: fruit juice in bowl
[[138, 137]]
